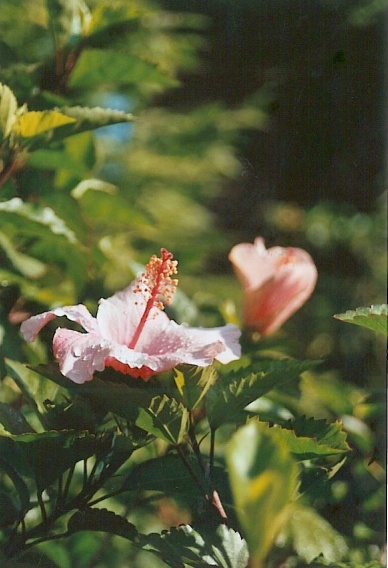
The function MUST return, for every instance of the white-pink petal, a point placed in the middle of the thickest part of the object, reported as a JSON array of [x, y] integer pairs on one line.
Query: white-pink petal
[[79, 354], [31, 327]]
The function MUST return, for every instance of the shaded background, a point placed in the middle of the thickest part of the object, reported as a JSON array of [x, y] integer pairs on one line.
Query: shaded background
[[322, 65]]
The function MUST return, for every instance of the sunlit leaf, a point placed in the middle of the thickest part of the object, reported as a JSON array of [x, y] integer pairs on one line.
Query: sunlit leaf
[[375, 317], [313, 536], [193, 386], [39, 217], [263, 478], [185, 546], [33, 123], [164, 418], [91, 118], [8, 108], [307, 438]]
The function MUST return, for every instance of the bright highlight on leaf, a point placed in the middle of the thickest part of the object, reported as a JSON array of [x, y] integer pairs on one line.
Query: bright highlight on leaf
[[36, 122], [263, 478], [8, 108], [375, 318]]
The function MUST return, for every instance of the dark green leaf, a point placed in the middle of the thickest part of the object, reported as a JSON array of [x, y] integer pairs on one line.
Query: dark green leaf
[[13, 420], [230, 395], [19, 484], [375, 318], [47, 454], [102, 520]]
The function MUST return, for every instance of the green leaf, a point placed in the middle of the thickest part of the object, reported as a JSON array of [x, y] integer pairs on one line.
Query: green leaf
[[8, 110], [96, 67], [308, 438], [44, 236], [375, 318], [160, 415], [18, 482], [49, 454], [263, 478], [229, 396], [193, 386], [26, 265], [313, 536], [164, 418], [39, 218], [172, 477]]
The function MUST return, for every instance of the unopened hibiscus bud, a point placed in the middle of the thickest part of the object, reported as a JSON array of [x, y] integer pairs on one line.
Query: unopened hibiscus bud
[[276, 281], [132, 334]]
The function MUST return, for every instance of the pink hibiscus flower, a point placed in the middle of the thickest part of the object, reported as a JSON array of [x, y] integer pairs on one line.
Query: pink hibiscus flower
[[276, 282], [132, 334]]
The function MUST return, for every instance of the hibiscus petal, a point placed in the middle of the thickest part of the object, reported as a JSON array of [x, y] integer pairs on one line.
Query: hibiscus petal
[[252, 264], [269, 306], [79, 354], [31, 327], [173, 344], [119, 315]]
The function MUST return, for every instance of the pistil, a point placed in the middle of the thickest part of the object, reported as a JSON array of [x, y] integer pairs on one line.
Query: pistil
[[157, 287]]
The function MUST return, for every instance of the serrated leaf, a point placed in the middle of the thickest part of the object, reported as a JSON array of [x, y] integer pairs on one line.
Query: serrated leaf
[[229, 395], [164, 418], [49, 454], [102, 520], [307, 438], [263, 478], [91, 118], [313, 536], [96, 67], [375, 318], [193, 386], [184, 546], [8, 109], [34, 123]]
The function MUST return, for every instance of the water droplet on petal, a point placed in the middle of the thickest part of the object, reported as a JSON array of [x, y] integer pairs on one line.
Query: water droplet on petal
[[76, 351]]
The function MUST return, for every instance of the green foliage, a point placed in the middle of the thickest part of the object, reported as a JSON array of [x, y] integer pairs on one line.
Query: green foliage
[[374, 318]]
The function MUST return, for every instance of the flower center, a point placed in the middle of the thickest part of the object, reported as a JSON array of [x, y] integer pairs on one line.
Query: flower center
[[157, 287]]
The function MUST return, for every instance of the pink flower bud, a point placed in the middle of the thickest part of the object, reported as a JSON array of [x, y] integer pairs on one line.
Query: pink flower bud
[[276, 282]]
